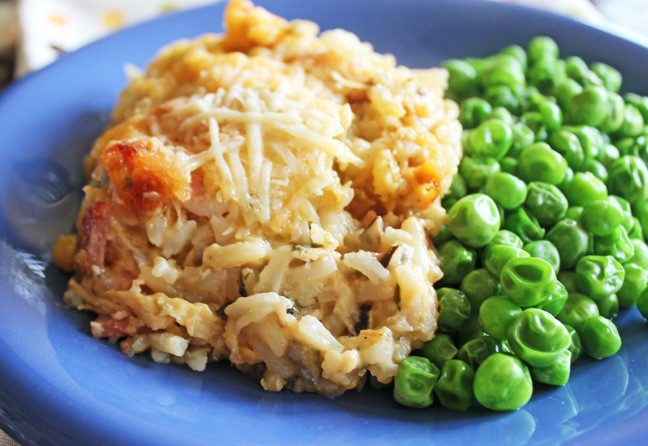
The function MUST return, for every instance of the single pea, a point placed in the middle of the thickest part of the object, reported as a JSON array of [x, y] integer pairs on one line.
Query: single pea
[[478, 286], [610, 76], [609, 154], [633, 122], [537, 337], [507, 190], [443, 235], [496, 314], [636, 232], [508, 164], [577, 310], [608, 306], [477, 170], [596, 168], [539, 162], [502, 382], [528, 281], [503, 70], [523, 137], [616, 114], [556, 300], [542, 48], [600, 337], [642, 303], [574, 212], [501, 114], [634, 283], [546, 75], [456, 261], [496, 256], [628, 178], [599, 276], [473, 111], [475, 351], [591, 139], [589, 107], [641, 102], [545, 250], [585, 188], [568, 279], [626, 211], [517, 52], [545, 202], [575, 346], [568, 145], [414, 382], [454, 309], [502, 96], [439, 349], [458, 188], [601, 217], [617, 244], [491, 139], [508, 238], [474, 220], [640, 256], [552, 116], [565, 90], [462, 77], [571, 241], [454, 389], [556, 374], [533, 120], [524, 225], [576, 68]]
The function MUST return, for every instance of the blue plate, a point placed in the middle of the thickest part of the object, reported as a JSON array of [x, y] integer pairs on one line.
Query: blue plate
[[58, 385]]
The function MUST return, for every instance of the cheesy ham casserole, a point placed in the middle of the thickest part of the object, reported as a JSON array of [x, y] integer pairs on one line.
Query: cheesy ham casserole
[[266, 196]]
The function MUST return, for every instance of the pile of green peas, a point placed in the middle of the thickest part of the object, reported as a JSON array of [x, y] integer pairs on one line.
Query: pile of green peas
[[545, 236]]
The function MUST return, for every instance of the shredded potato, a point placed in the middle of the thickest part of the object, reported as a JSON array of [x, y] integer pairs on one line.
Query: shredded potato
[[266, 196]]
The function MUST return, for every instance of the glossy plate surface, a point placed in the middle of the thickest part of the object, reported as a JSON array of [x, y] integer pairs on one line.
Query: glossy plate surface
[[60, 386]]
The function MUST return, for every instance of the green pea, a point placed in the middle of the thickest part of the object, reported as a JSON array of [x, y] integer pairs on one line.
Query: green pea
[[640, 256], [523, 137], [491, 139], [600, 337], [636, 232], [617, 245], [575, 344], [634, 283], [502, 382], [599, 276], [503, 70], [565, 90], [524, 225], [574, 212], [439, 349], [508, 238], [628, 178], [545, 250], [591, 139], [601, 217], [501, 114], [517, 52], [542, 48], [507, 190], [508, 164], [474, 220], [596, 168], [496, 256], [568, 279], [414, 382], [626, 211], [546, 75], [552, 116], [633, 122], [545, 202], [478, 286], [477, 170], [641, 102], [589, 107], [442, 236], [577, 310], [585, 188], [571, 241], [616, 114], [462, 77], [454, 389], [642, 303], [475, 351], [528, 281], [556, 374], [458, 188], [610, 76], [537, 337], [456, 261], [608, 306], [454, 309], [502, 96], [470, 330], [533, 120], [556, 300], [578, 70], [568, 145], [608, 154], [496, 314], [539, 162], [473, 111], [640, 211]]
